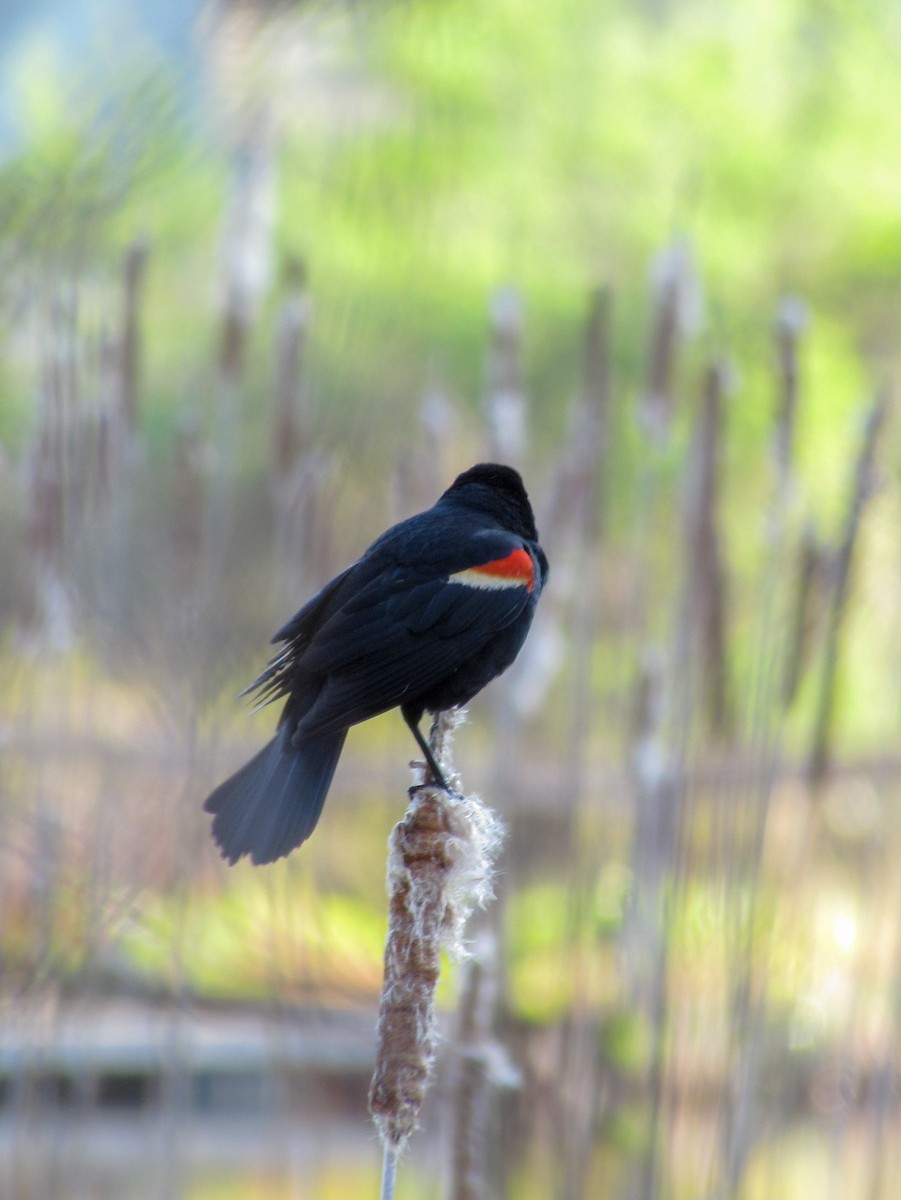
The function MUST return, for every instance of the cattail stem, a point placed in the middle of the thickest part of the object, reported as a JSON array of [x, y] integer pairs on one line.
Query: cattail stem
[[861, 491], [481, 1066], [134, 271], [441, 857], [389, 1172], [707, 582], [790, 324], [505, 400]]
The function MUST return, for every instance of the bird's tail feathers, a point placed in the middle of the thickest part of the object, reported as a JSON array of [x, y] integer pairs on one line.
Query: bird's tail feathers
[[273, 803]]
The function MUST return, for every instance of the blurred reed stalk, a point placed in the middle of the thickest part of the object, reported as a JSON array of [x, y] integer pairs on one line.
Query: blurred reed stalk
[[658, 780], [134, 274], [440, 866], [522, 690], [436, 456], [791, 321], [505, 435], [505, 400], [246, 271], [480, 1065], [706, 592], [51, 472], [676, 314], [744, 805], [247, 239], [292, 432], [809, 569], [573, 516], [862, 488], [673, 687], [810, 579], [573, 524], [298, 468]]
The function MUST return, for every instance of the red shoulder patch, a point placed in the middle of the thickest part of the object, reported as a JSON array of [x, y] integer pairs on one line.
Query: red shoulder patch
[[516, 570]]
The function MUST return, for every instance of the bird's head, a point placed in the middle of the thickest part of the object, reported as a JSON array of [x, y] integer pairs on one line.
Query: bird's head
[[497, 490]]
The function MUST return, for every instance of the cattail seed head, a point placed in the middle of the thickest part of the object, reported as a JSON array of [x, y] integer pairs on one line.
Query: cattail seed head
[[441, 859]]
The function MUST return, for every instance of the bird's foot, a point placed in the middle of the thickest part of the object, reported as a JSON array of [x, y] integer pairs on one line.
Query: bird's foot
[[431, 782]]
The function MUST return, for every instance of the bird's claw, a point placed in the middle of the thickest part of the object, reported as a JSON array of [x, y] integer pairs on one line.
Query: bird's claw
[[432, 783]]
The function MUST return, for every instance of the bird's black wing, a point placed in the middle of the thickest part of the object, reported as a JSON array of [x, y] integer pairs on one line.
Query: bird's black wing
[[279, 677], [411, 626]]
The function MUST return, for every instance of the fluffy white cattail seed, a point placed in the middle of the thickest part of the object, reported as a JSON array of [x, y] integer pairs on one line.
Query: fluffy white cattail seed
[[440, 865]]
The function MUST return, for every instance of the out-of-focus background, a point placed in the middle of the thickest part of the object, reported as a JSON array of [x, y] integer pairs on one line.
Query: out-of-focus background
[[271, 274]]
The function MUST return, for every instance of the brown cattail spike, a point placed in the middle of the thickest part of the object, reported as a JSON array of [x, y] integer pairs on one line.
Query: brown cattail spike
[[441, 858]]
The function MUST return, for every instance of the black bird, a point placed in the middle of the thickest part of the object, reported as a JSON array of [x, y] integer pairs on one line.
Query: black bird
[[435, 609]]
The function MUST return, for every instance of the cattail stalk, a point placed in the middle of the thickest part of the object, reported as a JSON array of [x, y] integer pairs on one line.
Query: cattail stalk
[[292, 436], [707, 584], [247, 240], [861, 491], [441, 858], [809, 575], [505, 400], [481, 1066], [791, 321], [134, 271], [659, 786], [677, 313]]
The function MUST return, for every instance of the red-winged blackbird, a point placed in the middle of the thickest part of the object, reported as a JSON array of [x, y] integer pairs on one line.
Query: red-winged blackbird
[[435, 609]]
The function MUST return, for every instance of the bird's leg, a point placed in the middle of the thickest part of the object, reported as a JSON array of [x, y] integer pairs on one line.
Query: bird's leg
[[432, 762]]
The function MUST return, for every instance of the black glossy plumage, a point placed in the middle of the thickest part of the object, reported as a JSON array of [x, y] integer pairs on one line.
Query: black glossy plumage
[[392, 630]]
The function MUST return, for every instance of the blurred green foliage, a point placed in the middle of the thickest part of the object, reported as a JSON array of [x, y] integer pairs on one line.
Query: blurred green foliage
[[430, 152], [553, 152], [236, 938]]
